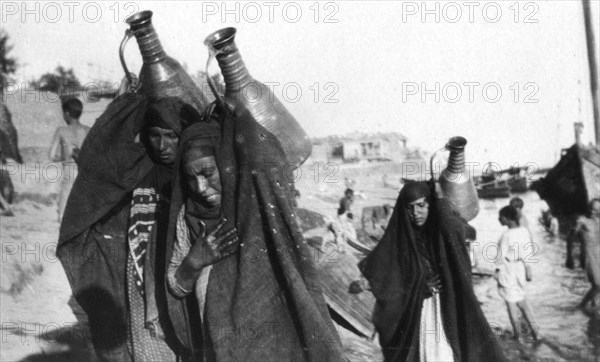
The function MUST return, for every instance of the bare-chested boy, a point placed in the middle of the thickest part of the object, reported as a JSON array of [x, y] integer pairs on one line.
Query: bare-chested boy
[[588, 230], [65, 148]]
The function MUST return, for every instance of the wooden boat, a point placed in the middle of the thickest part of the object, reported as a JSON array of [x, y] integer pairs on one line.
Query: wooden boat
[[498, 189], [498, 184], [517, 180], [337, 270], [491, 186], [575, 180]]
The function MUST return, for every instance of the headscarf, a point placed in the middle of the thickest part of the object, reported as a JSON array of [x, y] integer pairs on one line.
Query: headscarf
[[398, 272], [207, 135], [171, 113], [415, 190]]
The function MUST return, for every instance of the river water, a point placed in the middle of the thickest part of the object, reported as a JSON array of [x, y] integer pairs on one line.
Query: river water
[[568, 333]]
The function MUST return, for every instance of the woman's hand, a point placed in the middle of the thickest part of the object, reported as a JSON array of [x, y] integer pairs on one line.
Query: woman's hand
[[218, 244], [434, 285]]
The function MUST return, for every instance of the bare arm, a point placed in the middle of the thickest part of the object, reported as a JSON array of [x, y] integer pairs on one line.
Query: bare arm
[[502, 250], [55, 147]]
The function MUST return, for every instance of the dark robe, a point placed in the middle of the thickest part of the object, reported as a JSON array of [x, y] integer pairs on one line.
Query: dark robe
[[93, 241], [263, 303], [398, 269]]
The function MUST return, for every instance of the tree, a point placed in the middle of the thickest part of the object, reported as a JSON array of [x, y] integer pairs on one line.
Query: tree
[[8, 63], [62, 79]]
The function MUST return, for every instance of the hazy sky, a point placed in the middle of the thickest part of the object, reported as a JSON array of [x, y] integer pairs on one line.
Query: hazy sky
[[510, 76]]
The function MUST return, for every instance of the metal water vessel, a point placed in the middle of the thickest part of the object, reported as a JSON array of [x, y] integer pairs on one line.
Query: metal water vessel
[[161, 76], [455, 182], [242, 88]]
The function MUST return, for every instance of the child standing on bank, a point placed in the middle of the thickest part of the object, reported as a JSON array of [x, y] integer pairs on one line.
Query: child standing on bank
[[65, 148], [512, 272]]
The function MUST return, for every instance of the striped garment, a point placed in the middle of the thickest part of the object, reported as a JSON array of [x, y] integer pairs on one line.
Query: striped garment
[[141, 220], [182, 247]]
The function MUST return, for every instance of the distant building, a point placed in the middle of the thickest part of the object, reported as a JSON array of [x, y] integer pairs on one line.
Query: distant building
[[360, 146], [378, 147]]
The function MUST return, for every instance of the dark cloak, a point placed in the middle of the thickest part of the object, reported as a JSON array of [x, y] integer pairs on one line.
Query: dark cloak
[[184, 313], [397, 273], [92, 244], [263, 303]]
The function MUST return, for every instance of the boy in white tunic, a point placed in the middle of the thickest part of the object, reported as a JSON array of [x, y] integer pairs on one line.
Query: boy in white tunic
[[512, 270]]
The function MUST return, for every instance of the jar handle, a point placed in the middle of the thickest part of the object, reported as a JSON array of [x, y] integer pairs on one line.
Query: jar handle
[[212, 54], [131, 78], [445, 148]]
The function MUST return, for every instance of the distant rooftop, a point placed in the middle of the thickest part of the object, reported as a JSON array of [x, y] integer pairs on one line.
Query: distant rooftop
[[362, 136]]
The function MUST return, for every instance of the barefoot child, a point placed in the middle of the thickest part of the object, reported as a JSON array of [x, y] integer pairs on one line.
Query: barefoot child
[[511, 270], [65, 148]]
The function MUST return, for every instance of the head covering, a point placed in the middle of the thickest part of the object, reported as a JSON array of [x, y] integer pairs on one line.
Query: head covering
[[171, 113], [398, 269], [205, 135], [206, 132], [415, 190]]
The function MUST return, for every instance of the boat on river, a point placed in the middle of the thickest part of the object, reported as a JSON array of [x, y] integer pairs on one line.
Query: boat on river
[[575, 180]]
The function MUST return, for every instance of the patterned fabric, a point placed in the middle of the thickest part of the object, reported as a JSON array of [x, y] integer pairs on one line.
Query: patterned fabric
[[181, 249], [141, 219], [144, 344]]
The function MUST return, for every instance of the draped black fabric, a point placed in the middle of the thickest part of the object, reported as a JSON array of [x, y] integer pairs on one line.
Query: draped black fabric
[[110, 164], [398, 269], [92, 244], [184, 313], [264, 303]]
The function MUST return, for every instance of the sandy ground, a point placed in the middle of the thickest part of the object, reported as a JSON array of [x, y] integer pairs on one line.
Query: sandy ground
[[38, 324]]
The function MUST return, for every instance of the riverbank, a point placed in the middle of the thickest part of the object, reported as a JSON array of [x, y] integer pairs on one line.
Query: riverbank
[[38, 324]]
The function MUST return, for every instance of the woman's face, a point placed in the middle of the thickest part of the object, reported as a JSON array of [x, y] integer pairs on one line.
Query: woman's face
[[418, 211], [202, 176], [163, 144]]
